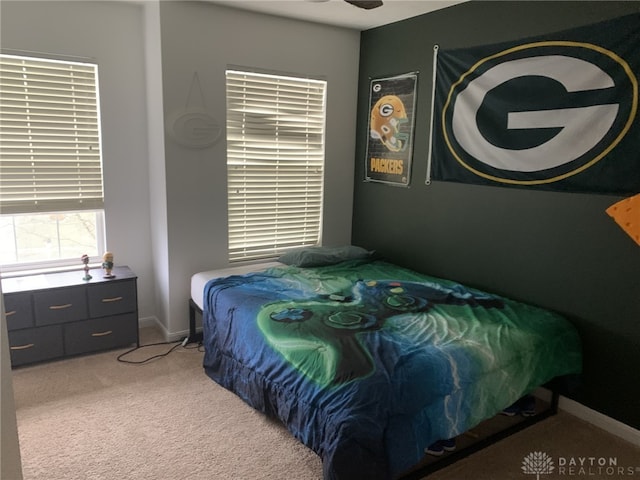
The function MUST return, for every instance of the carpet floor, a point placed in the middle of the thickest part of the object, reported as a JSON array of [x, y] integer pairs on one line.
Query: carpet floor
[[93, 417]]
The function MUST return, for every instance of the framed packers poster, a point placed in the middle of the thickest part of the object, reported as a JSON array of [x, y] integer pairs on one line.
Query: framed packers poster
[[392, 103]]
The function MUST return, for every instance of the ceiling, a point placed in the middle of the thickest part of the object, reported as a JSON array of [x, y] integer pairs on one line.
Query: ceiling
[[340, 13]]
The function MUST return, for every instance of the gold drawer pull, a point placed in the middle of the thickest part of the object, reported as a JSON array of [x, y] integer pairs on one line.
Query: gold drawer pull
[[60, 307], [112, 299], [22, 347], [8, 314], [102, 334]]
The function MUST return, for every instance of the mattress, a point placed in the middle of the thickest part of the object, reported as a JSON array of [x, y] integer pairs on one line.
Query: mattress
[[200, 279]]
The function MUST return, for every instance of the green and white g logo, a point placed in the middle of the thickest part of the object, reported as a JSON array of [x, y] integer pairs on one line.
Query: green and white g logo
[[540, 112]]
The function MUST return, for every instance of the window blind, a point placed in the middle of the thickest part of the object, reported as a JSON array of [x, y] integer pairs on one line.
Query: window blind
[[50, 156], [275, 163]]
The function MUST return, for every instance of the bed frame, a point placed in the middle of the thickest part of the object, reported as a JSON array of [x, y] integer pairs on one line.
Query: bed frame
[[449, 458], [421, 471], [194, 336]]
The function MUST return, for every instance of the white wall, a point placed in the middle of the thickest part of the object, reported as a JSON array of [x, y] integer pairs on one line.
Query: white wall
[[110, 33], [203, 38], [157, 174]]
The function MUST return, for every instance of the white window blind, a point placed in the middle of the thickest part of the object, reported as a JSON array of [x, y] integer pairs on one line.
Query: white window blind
[[275, 163], [50, 156]]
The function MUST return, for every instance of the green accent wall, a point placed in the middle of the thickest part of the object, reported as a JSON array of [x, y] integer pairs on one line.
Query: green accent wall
[[557, 250]]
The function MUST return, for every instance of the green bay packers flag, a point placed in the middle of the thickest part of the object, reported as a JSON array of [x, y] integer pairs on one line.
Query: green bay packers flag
[[556, 112], [390, 133]]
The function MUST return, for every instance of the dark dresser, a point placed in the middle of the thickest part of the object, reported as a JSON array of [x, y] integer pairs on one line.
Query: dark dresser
[[55, 315]]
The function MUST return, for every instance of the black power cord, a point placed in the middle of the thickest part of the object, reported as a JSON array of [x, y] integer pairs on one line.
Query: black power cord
[[176, 344]]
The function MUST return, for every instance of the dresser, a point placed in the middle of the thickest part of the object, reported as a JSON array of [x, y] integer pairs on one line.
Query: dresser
[[56, 315]]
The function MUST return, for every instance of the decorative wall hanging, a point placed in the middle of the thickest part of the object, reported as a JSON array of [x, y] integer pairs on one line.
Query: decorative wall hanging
[[392, 103], [194, 127], [554, 112]]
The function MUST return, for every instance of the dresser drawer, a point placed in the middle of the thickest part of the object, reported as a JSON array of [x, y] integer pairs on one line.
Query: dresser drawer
[[100, 334], [18, 310], [112, 298], [60, 305], [35, 344]]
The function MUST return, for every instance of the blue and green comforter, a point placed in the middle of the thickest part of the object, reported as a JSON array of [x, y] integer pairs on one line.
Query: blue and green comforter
[[367, 363]]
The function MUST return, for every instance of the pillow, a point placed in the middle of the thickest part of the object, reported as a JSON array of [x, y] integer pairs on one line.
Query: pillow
[[319, 256]]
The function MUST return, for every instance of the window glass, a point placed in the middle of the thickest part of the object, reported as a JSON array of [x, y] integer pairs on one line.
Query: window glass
[[44, 239]]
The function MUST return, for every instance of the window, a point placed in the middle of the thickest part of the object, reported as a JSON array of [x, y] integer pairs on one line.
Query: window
[[46, 238], [275, 163], [51, 195]]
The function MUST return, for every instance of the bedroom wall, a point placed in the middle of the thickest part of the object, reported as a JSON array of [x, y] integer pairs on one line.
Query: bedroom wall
[[204, 39], [157, 174], [111, 33], [558, 250]]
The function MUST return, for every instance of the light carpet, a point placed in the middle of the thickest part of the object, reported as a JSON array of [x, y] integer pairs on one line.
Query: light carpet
[[92, 417]]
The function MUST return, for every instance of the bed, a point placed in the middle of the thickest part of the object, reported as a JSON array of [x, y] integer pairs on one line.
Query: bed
[[367, 363]]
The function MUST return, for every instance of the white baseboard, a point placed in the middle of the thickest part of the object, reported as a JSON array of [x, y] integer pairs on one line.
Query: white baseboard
[[598, 419], [149, 322], [166, 334]]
